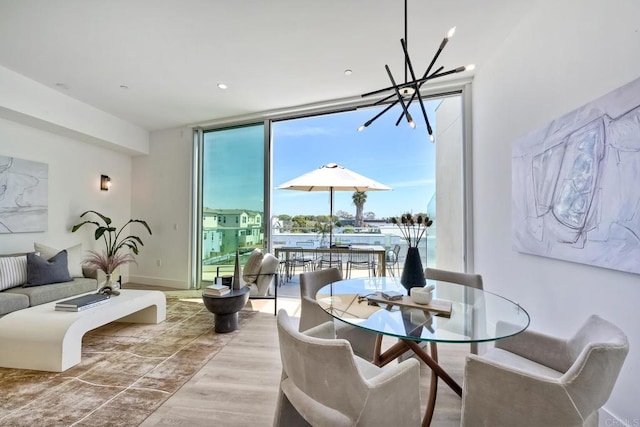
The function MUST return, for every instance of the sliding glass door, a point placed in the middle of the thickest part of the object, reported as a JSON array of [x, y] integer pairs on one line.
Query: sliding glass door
[[232, 216], [426, 178]]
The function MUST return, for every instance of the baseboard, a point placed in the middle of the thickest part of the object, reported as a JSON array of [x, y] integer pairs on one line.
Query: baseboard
[[607, 419], [156, 281]]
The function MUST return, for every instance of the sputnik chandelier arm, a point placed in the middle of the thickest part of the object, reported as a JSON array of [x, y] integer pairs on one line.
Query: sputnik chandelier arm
[[405, 93], [400, 98], [415, 89]]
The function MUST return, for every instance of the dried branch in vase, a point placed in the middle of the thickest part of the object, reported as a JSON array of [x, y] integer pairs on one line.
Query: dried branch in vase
[[412, 228]]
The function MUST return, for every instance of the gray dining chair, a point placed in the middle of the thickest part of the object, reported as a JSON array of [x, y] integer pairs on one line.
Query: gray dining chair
[[466, 279], [324, 384], [311, 314], [532, 379]]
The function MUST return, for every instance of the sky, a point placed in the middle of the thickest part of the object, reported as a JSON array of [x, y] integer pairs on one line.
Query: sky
[[397, 156]]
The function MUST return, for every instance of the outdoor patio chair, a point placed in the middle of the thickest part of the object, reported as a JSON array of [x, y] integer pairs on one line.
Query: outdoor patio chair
[[393, 264], [329, 260], [361, 261], [297, 259]]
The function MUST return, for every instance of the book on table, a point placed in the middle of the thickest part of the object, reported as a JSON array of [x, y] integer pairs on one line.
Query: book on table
[[216, 290], [216, 293], [82, 303]]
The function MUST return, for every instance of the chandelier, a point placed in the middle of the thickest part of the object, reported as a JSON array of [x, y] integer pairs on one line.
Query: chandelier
[[405, 93]]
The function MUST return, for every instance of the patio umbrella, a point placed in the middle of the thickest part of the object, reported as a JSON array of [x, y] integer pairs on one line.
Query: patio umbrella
[[332, 177]]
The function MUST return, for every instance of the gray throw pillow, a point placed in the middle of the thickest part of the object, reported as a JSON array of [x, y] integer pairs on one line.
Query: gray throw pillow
[[43, 272]]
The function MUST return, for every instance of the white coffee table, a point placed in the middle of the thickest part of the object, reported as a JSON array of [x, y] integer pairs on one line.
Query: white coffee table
[[44, 339]]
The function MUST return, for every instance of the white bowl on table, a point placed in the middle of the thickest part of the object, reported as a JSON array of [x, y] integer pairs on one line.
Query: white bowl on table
[[422, 295]]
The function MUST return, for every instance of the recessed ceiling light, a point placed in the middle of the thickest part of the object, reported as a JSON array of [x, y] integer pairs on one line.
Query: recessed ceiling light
[[348, 72], [222, 86]]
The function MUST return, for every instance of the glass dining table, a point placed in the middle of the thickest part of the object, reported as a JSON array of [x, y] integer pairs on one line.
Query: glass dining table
[[457, 314]]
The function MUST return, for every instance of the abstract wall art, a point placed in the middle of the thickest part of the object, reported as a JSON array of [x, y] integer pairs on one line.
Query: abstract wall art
[[23, 195], [576, 184]]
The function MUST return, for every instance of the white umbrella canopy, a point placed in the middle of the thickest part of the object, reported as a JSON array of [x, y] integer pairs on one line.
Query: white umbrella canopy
[[333, 177]]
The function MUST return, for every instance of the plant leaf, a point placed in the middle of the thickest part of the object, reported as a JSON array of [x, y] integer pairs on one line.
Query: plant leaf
[[106, 219]]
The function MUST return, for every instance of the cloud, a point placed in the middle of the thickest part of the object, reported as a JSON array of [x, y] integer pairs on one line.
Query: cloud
[[296, 131], [414, 183]]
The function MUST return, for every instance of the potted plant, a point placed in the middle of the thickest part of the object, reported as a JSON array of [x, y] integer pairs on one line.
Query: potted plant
[[117, 247]]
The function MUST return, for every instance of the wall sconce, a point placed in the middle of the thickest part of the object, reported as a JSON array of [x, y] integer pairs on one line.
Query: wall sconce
[[105, 182]]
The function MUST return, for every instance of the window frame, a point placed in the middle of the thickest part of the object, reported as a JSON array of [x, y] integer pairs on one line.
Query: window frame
[[462, 88]]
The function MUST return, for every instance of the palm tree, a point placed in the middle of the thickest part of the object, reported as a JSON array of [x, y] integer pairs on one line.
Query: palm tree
[[359, 199], [323, 229]]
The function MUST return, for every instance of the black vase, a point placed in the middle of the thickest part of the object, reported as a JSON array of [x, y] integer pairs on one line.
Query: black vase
[[413, 273]]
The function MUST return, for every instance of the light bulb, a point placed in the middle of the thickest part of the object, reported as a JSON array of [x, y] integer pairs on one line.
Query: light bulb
[[451, 32], [412, 124], [432, 138], [407, 91], [470, 67], [361, 128]]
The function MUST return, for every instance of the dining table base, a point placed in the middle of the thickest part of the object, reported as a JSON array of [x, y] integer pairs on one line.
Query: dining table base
[[404, 345]]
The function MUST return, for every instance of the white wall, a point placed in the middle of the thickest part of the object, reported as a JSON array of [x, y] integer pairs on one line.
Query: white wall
[[36, 105], [74, 177], [162, 197], [449, 182], [561, 56]]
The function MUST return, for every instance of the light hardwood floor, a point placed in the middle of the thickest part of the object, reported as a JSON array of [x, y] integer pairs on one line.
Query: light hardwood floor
[[239, 386]]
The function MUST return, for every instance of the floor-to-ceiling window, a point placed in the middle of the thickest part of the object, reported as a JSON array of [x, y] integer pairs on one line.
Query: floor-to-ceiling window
[[425, 177], [232, 197], [397, 156], [422, 174]]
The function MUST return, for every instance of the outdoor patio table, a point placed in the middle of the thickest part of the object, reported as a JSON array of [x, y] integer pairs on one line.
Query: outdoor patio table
[[378, 250]]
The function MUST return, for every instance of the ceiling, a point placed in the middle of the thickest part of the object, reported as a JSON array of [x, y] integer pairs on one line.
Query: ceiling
[[157, 63]]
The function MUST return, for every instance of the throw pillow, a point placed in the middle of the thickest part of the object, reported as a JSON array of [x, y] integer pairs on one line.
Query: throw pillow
[[74, 257], [13, 271], [252, 267], [43, 272]]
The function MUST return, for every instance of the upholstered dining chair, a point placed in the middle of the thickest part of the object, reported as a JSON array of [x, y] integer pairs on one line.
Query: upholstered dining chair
[[311, 314], [467, 279], [324, 384], [532, 379]]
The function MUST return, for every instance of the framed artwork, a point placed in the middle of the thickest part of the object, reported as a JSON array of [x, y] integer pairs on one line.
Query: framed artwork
[[23, 195], [576, 184]]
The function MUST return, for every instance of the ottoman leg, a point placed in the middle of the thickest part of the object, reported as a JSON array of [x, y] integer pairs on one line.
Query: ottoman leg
[[224, 323]]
